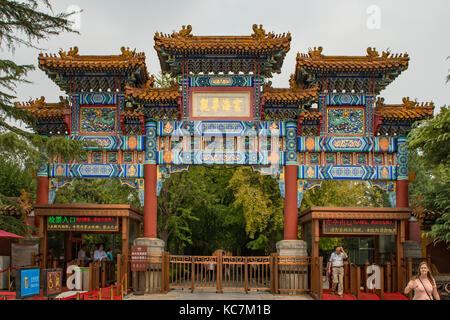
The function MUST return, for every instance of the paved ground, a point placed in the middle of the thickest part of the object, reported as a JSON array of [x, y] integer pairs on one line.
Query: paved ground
[[212, 295]]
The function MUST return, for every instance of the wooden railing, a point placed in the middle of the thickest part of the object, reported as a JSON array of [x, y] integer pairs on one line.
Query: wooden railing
[[279, 275]]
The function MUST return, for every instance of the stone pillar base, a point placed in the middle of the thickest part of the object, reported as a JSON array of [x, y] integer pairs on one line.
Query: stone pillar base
[[289, 276], [412, 249], [292, 248], [150, 280]]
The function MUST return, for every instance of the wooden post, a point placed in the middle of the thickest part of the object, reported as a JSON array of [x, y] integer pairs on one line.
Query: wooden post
[[103, 271], [400, 241], [321, 278], [358, 283], [409, 277], [346, 277], [126, 283], [119, 268], [125, 236], [382, 283], [91, 277], [192, 275], [246, 273], [44, 241], [388, 277], [219, 273], [315, 238], [275, 264], [167, 271]]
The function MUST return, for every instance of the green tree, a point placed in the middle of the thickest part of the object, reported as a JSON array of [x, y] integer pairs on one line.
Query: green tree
[[258, 197], [24, 24], [429, 145], [14, 179]]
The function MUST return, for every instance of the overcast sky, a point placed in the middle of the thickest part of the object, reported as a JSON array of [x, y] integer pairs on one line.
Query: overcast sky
[[419, 28]]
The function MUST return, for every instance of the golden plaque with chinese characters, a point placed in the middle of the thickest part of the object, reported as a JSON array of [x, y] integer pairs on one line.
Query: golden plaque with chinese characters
[[221, 105]]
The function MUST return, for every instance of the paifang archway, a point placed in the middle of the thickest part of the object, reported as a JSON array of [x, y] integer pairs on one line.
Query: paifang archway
[[328, 124]]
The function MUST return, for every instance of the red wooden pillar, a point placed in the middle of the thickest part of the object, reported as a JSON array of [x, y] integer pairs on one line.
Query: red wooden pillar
[[402, 200], [42, 191], [290, 202], [150, 201]]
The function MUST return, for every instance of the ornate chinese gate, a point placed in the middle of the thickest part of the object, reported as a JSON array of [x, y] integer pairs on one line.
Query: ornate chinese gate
[[220, 110]]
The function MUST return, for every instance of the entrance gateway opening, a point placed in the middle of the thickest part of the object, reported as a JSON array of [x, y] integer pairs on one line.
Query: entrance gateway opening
[[329, 124]]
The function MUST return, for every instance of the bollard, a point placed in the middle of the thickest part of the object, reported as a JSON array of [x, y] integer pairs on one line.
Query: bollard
[[78, 296], [100, 294], [112, 293]]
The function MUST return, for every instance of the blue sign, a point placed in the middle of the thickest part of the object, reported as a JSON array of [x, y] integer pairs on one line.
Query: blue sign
[[29, 282]]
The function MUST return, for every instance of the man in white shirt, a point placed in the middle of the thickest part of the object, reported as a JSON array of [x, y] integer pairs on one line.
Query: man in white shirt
[[337, 266], [100, 254]]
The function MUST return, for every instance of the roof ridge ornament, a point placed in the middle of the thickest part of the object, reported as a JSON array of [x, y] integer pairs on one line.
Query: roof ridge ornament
[[372, 53], [409, 103], [259, 33], [185, 32], [127, 53], [73, 52], [315, 53]]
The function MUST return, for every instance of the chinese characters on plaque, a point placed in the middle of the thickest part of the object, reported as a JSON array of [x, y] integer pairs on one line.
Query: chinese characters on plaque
[[226, 105], [358, 226], [65, 223]]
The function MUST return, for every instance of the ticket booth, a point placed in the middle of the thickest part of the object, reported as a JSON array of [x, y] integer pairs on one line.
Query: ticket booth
[[340, 222], [87, 218]]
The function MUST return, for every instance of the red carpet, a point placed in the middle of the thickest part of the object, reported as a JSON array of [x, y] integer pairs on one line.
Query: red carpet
[[328, 296], [394, 296], [368, 296], [363, 296]]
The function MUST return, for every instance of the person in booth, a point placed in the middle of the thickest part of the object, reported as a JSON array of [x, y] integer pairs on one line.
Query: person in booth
[[100, 254], [337, 268], [82, 258]]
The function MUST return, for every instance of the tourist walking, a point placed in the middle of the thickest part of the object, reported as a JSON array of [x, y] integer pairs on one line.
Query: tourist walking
[[336, 267], [423, 284]]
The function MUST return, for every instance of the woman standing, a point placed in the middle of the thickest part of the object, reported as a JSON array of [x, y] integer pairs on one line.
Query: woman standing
[[423, 284]]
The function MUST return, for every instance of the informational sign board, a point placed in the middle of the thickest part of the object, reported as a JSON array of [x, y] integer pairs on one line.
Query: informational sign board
[[53, 282], [139, 258], [27, 282], [67, 223], [359, 226]]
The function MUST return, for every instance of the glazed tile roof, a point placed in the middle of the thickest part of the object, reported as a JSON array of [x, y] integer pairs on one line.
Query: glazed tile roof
[[369, 73], [72, 60], [293, 94], [268, 48], [43, 110], [150, 94], [69, 69], [183, 41], [316, 61], [408, 110]]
